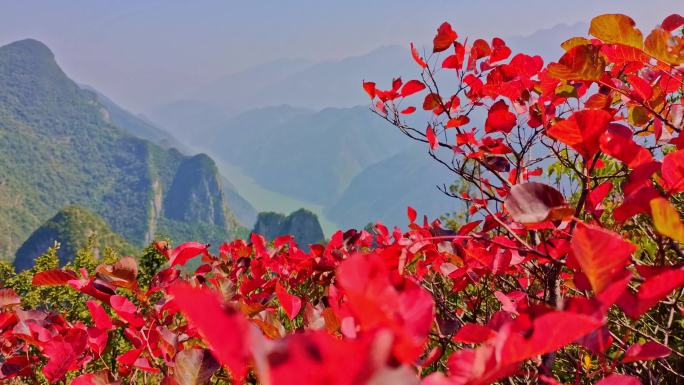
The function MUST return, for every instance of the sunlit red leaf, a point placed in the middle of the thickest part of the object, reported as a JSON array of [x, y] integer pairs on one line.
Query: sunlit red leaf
[[601, 254], [616, 28], [431, 138], [432, 101], [618, 142], [643, 352], [290, 303], [416, 56], [369, 87], [99, 316], [582, 62], [582, 131], [457, 121], [673, 171], [500, 118], [55, 277], [652, 291], [125, 309], [205, 309], [411, 87], [445, 37], [183, 253], [474, 334], [411, 213]]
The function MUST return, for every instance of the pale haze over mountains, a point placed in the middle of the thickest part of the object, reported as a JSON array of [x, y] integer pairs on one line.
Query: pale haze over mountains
[[271, 90]]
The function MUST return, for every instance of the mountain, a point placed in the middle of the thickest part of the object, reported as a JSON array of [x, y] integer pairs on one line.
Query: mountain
[[238, 91], [302, 224], [142, 128], [546, 42], [59, 146], [136, 125], [384, 190], [72, 227], [184, 118], [298, 83], [311, 156]]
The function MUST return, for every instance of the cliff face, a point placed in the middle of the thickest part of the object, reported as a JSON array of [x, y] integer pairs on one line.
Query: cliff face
[[72, 227], [195, 194], [302, 224], [59, 147]]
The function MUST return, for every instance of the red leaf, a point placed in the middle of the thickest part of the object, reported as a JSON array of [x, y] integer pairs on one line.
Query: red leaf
[[444, 38], [99, 316], [474, 334], [126, 310], [673, 171], [194, 367], [290, 303], [617, 142], [183, 253], [97, 340], [411, 213], [582, 131], [369, 87], [641, 89], [205, 310], [417, 58], [500, 119], [500, 50], [62, 353], [619, 379], [432, 101], [672, 22], [651, 291], [596, 196], [8, 297], [55, 277], [457, 121], [100, 378], [550, 332], [582, 62], [533, 202], [411, 87], [649, 351], [408, 110], [601, 254], [431, 138], [376, 303]]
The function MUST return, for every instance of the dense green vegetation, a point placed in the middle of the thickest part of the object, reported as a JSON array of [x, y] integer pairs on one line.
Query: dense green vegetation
[[73, 228]]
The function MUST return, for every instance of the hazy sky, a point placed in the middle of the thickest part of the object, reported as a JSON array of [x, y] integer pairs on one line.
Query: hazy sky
[[144, 52]]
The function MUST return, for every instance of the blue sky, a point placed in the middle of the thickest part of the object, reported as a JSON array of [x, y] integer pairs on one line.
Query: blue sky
[[141, 52]]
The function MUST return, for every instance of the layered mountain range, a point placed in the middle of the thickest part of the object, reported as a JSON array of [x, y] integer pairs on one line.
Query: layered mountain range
[[62, 145]]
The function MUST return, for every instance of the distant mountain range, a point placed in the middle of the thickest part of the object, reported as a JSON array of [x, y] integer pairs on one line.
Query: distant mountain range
[[61, 145], [296, 83], [296, 128]]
